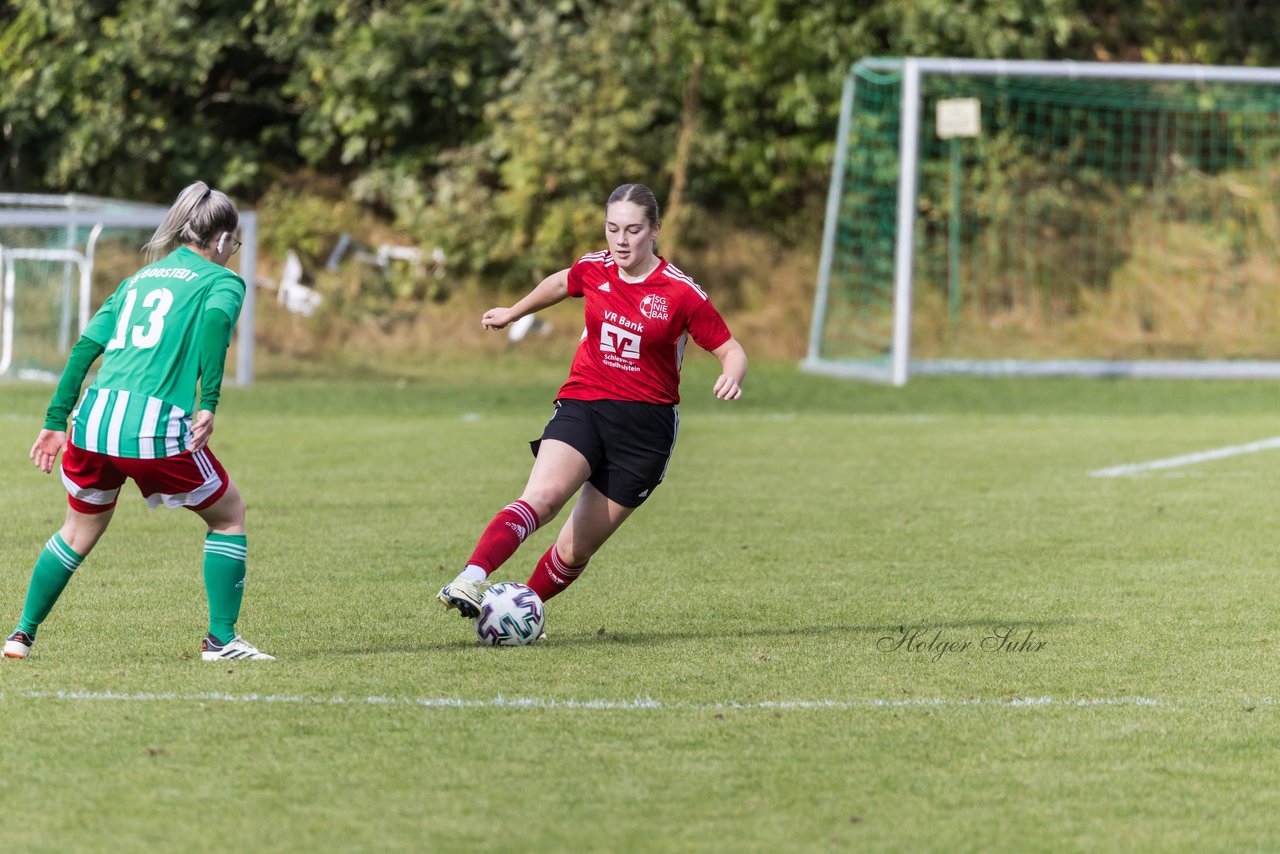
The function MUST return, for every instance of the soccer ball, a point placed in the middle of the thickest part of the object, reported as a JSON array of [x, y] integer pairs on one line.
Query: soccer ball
[[510, 615]]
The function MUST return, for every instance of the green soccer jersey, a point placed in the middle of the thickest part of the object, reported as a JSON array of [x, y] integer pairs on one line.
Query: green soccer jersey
[[141, 403]]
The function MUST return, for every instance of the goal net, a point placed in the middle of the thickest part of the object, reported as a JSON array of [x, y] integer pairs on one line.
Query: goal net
[[60, 258], [1065, 218]]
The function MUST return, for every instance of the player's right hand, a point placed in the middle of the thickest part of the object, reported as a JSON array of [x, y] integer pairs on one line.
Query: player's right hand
[[201, 430], [496, 318], [44, 453]]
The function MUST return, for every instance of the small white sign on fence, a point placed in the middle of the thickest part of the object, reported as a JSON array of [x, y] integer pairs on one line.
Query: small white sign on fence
[[959, 117]]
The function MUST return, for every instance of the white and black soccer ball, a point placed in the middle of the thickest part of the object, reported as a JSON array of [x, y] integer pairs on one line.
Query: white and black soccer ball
[[510, 615]]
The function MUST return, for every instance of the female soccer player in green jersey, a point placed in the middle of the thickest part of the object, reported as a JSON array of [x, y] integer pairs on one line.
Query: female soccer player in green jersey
[[164, 330]]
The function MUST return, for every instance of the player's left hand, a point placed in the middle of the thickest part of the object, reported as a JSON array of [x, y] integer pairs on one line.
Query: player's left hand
[[201, 430], [727, 388], [44, 453]]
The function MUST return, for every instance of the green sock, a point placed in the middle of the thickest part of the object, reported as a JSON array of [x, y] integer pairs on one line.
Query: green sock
[[224, 557], [53, 570]]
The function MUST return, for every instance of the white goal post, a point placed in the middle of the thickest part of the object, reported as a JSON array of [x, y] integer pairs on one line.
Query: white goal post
[[1089, 219], [24, 219], [9, 263]]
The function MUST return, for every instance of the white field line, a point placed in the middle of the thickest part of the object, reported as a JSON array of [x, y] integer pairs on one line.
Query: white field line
[[1188, 459], [638, 704]]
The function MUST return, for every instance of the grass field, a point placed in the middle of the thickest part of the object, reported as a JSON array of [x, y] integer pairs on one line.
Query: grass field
[[854, 618]]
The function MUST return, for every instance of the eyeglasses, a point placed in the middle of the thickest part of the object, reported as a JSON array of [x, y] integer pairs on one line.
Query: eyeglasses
[[235, 246]]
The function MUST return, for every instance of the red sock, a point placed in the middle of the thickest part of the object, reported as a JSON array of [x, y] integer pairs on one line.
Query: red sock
[[552, 575], [504, 535]]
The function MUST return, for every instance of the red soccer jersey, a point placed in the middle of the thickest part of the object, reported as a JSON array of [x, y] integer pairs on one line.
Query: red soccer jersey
[[634, 339]]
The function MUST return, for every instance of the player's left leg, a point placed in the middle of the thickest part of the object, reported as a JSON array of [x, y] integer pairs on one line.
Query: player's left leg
[[594, 519], [93, 484], [58, 561]]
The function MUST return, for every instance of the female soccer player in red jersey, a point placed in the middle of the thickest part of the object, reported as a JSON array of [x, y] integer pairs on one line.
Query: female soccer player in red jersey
[[165, 328], [615, 422]]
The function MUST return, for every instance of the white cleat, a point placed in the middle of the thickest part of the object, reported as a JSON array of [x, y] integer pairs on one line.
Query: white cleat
[[464, 594], [18, 645], [236, 649]]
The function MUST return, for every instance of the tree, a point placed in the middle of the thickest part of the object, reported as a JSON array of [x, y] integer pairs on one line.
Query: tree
[[131, 98], [136, 97]]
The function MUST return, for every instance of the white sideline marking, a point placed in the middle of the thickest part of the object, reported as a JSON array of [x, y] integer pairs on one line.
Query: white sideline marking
[[1188, 459], [638, 704]]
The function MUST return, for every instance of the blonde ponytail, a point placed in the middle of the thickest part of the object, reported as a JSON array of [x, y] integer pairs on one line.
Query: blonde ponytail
[[199, 214]]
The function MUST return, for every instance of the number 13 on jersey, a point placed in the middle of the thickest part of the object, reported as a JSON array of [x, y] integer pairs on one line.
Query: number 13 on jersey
[[146, 334]]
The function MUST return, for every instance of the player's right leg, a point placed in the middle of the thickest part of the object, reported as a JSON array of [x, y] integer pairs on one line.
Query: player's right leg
[[226, 551], [558, 472], [197, 481]]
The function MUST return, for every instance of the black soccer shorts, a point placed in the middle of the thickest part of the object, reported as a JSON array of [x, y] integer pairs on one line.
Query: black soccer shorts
[[627, 443]]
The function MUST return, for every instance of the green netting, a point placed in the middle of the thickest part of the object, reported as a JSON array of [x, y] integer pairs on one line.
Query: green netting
[[858, 317], [44, 314], [1091, 219]]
